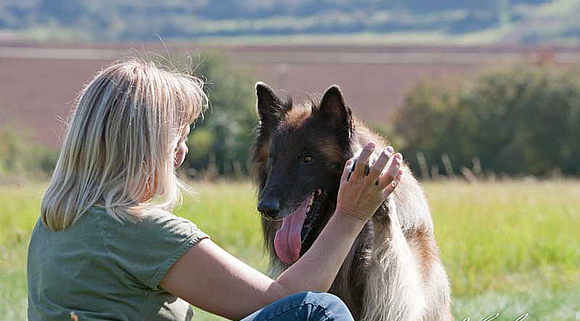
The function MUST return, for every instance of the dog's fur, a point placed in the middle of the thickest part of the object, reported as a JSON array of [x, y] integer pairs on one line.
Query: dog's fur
[[393, 270]]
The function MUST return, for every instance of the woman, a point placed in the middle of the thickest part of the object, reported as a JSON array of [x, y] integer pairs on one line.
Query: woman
[[107, 248]]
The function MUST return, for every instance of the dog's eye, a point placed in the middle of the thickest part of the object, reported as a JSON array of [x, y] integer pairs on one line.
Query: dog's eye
[[306, 159]]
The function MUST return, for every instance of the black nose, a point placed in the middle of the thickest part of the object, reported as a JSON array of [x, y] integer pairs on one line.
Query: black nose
[[269, 206]]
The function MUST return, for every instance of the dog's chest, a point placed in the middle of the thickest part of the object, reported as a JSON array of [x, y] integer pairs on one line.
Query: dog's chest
[[350, 282]]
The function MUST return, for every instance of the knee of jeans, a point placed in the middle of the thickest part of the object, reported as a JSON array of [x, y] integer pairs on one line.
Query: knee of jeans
[[328, 302]]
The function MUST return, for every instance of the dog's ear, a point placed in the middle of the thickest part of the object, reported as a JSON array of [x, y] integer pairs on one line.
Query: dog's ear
[[268, 106], [334, 110]]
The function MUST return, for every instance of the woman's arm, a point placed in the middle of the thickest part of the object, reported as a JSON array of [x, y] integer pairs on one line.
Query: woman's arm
[[210, 278]]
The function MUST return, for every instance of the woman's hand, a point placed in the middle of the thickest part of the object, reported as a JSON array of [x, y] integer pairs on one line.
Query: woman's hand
[[363, 190]]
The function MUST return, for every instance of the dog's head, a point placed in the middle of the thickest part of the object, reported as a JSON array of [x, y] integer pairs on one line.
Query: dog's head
[[298, 159]]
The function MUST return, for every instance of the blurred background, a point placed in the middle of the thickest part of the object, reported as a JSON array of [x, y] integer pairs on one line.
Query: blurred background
[[482, 97]]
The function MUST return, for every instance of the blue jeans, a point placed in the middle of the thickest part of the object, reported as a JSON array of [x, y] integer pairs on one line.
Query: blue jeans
[[308, 306]]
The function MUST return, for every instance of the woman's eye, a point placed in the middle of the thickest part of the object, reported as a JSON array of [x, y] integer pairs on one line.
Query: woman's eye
[[307, 160]]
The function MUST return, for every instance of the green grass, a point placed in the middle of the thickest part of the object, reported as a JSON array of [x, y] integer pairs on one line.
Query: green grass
[[509, 247]]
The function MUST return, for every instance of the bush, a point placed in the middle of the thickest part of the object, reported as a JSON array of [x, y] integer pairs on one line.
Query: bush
[[21, 158], [221, 142], [521, 121]]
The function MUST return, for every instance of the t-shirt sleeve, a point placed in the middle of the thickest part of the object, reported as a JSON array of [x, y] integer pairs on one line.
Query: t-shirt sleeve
[[148, 248]]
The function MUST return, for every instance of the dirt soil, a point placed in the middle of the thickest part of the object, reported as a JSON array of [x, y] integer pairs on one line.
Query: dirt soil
[[39, 83]]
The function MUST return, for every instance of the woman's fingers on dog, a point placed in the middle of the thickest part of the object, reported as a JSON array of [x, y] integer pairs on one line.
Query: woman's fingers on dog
[[396, 162], [379, 165], [363, 159], [393, 184], [393, 167], [346, 172]]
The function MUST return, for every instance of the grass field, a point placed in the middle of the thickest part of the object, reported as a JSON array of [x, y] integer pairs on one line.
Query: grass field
[[509, 247]]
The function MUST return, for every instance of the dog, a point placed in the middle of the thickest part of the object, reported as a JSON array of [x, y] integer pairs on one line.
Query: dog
[[393, 270]]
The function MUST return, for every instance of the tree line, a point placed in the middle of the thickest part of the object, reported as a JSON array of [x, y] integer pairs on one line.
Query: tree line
[[516, 121], [523, 120]]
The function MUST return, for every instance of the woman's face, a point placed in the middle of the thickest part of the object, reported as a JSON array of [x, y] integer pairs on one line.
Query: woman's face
[[181, 149]]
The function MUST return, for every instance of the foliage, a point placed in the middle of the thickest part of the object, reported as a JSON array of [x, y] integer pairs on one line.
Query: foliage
[[521, 120], [221, 142], [508, 247], [19, 157]]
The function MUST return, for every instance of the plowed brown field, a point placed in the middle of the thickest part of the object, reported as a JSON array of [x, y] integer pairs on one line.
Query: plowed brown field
[[39, 83]]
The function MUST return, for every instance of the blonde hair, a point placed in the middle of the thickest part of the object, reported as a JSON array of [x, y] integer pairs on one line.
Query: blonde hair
[[118, 150]]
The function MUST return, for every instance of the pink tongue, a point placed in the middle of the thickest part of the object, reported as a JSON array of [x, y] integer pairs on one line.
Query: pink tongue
[[287, 241]]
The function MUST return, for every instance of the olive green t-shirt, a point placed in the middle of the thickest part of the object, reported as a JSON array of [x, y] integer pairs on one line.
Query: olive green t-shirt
[[105, 270]]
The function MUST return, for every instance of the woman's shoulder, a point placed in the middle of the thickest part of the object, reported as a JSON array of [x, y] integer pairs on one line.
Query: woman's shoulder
[[156, 218], [152, 225], [148, 218], [160, 216]]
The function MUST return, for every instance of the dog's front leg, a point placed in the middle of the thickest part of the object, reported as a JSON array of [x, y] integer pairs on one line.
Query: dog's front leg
[[393, 288]]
